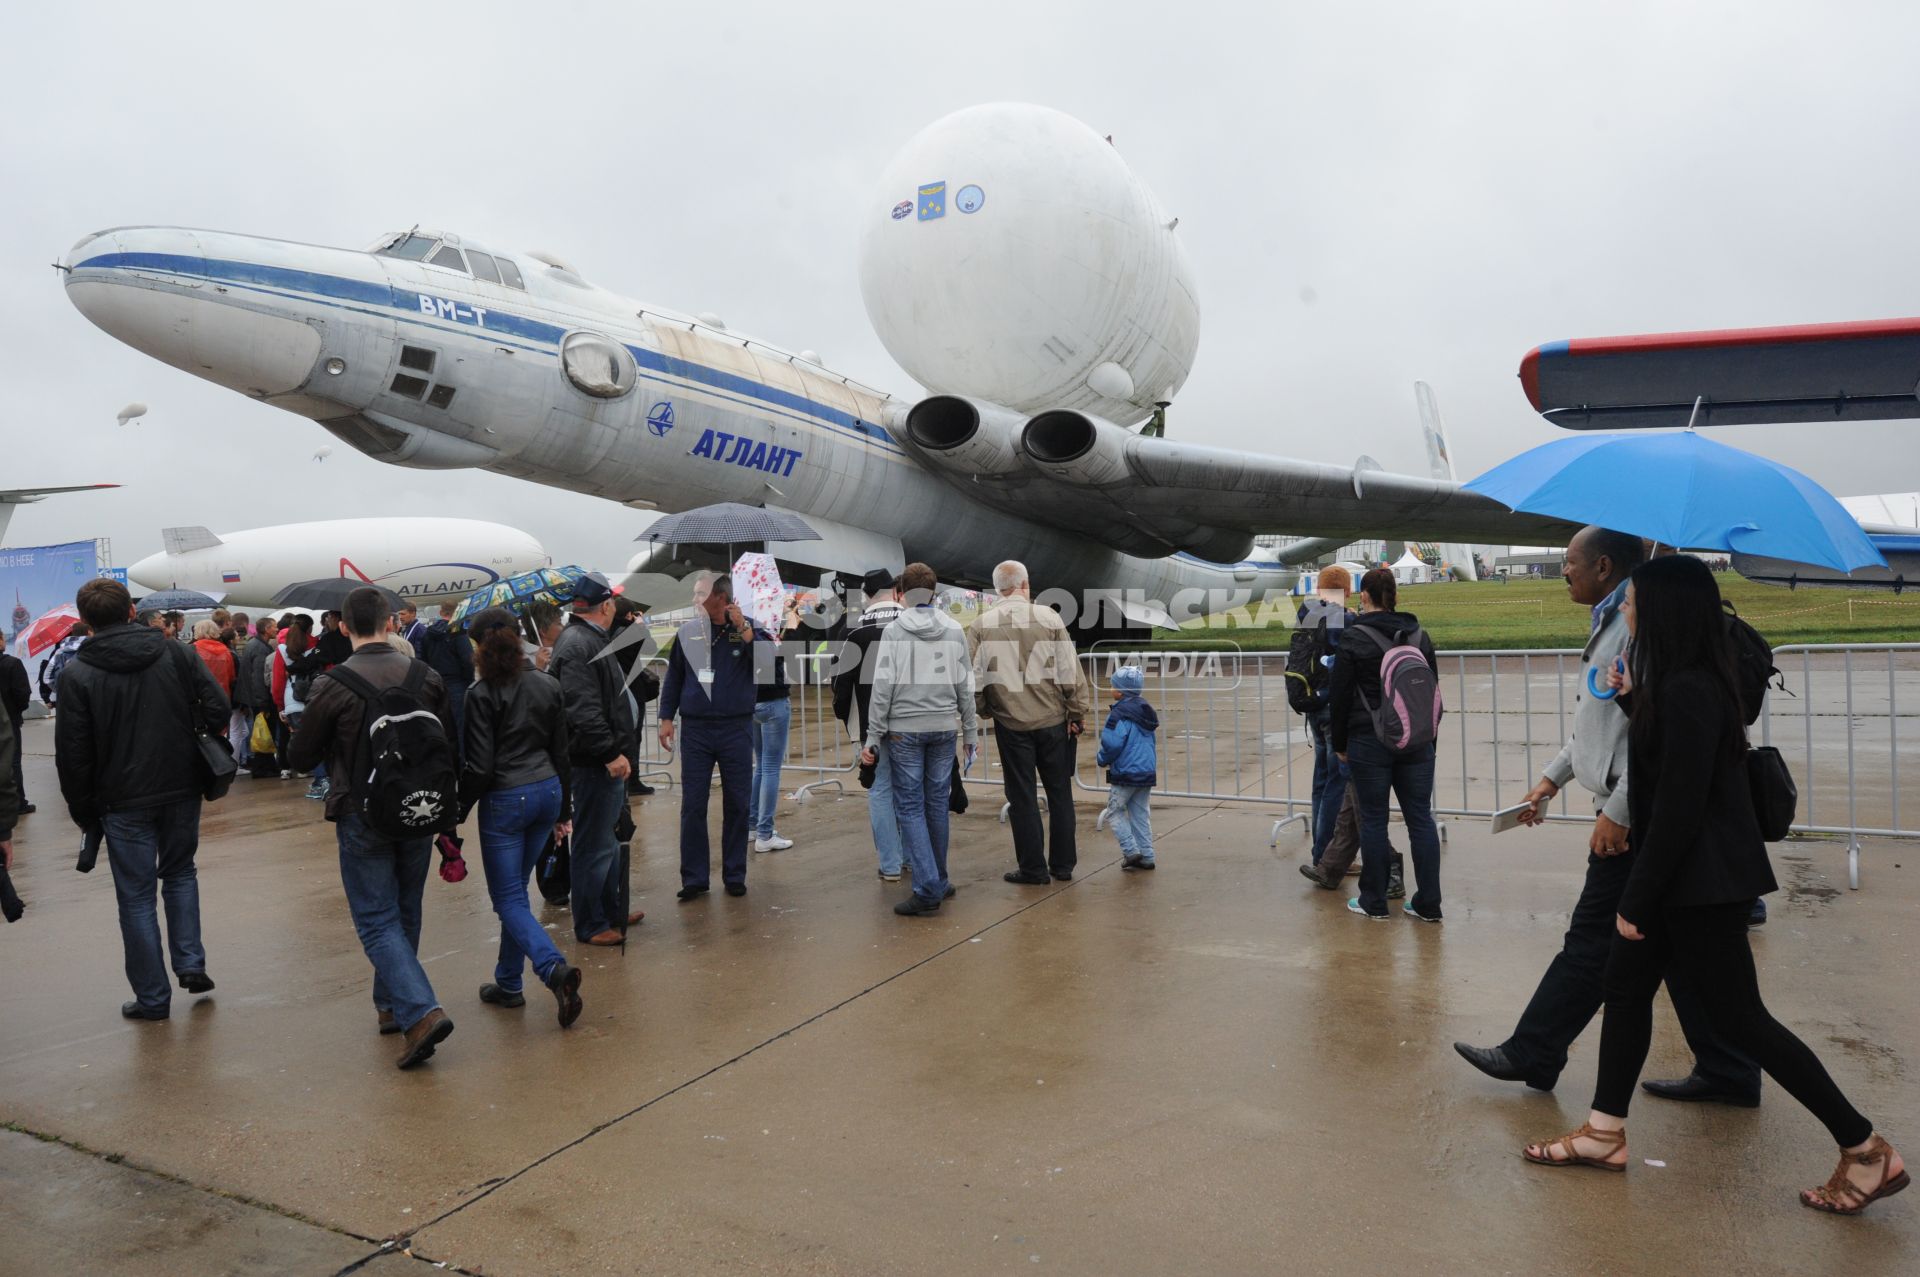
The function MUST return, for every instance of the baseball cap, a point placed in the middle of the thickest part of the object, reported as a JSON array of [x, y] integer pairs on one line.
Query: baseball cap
[[592, 590]]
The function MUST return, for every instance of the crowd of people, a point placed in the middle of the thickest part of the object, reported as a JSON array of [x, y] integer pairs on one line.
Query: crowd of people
[[406, 728]]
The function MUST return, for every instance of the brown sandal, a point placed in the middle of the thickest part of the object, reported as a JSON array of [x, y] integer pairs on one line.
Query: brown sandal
[[1618, 1140], [1841, 1196]]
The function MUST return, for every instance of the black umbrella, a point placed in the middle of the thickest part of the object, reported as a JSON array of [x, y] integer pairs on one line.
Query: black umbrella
[[329, 594], [729, 523], [177, 601]]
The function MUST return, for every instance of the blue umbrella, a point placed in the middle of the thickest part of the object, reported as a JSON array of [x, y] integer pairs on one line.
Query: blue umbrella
[[1683, 491]]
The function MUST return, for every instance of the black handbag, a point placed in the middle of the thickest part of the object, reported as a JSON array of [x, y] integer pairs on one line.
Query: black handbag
[[1775, 796], [553, 872], [217, 764], [957, 794]]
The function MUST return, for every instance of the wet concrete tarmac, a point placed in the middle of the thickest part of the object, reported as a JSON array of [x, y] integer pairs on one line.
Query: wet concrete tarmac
[[1210, 1069]]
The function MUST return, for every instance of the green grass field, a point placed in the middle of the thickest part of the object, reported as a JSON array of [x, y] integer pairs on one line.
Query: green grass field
[[1532, 614]]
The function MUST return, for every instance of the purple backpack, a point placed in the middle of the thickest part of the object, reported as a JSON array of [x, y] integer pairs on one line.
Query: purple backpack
[[1408, 715]]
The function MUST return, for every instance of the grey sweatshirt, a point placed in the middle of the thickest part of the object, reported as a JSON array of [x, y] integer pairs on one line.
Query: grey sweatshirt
[[922, 677], [1596, 753]]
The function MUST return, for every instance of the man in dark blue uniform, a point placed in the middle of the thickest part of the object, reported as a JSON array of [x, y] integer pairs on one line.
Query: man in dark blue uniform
[[710, 683]]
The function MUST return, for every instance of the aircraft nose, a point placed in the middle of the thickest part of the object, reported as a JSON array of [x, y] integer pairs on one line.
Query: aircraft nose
[[151, 287]]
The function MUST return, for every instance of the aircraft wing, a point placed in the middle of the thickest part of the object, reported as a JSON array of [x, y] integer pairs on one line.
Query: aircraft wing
[[1808, 373], [21, 496], [1153, 496]]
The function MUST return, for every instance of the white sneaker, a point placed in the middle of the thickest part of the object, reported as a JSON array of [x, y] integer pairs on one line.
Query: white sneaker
[[775, 843]]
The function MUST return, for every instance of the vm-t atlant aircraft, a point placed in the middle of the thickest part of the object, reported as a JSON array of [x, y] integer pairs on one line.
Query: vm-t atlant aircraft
[[1012, 262]]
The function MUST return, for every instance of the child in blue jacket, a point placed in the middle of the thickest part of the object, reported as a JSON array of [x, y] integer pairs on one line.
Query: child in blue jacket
[[1127, 752]]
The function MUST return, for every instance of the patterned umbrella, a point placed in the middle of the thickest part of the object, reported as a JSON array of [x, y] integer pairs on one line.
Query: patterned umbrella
[[517, 593], [729, 523]]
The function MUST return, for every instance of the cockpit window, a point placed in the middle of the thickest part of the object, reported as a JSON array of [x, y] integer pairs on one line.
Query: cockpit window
[[510, 274], [483, 267], [411, 247], [448, 256]]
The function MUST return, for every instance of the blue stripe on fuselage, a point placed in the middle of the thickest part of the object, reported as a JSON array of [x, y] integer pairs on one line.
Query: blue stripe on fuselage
[[498, 321]]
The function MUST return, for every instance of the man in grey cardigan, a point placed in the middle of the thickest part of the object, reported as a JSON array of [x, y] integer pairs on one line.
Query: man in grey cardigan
[[922, 695], [1598, 564]]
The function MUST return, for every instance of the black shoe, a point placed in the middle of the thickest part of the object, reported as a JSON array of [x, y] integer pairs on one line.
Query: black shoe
[[134, 1011], [951, 892], [495, 996], [27, 809], [1695, 1088], [1498, 1065], [1063, 875], [195, 982], [641, 788], [1027, 880], [736, 888], [1757, 916], [1144, 863], [915, 907], [565, 983], [690, 893]]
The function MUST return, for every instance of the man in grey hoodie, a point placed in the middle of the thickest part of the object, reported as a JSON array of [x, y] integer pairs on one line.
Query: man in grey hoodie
[[922, 695], [1598, 563]]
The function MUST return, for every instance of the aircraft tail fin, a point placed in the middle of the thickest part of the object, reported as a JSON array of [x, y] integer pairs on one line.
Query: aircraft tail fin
[[1439, 455], [181, 540]]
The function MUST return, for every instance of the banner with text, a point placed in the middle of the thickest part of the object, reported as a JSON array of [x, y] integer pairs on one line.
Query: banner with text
[[35, 579]]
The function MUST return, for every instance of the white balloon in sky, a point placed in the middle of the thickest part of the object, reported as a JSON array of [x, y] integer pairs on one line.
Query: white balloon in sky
[[323, 452], [131, 411]]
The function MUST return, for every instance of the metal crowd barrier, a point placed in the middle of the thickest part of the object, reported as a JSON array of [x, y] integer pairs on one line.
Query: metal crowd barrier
[[1228, 735]]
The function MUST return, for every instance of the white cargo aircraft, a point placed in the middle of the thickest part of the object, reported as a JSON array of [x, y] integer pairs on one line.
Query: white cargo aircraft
[[424, 559], [1012, 263]]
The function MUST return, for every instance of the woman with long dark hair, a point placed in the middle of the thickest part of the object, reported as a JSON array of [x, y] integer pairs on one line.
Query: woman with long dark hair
[[1699, 864], [1378, 770], [514, 765]]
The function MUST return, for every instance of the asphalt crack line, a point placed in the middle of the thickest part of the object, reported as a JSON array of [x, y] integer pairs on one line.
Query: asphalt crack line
[[403, 1242]]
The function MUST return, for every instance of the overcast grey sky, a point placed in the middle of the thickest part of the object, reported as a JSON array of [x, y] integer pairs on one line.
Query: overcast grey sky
[[1371, 193]]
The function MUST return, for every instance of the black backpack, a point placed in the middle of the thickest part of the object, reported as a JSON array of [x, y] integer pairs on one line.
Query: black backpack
[[408, 786], [1307, 674], [1753, 667]]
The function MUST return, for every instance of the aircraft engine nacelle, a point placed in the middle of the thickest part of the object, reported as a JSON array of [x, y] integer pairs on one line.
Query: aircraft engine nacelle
[[1077, 448], [966, 435]]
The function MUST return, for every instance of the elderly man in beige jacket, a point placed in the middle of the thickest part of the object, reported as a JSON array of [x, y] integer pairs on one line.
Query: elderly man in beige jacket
[[1028, 678]]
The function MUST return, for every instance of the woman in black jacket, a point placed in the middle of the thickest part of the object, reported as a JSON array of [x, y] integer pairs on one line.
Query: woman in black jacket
[[1376, 769], [1699, 864], [514, 765]]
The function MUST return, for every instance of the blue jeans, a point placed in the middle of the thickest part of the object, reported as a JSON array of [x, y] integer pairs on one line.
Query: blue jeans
[[1130, 816], [597, 799], [707, 744], [1329, 782], [1376, 771], [143, 845], [881, 816], [514, 826], [922, 781], [771, 719], [385, 879]]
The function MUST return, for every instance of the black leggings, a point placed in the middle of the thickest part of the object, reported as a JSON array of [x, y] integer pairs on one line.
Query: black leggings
[[1710, 943]]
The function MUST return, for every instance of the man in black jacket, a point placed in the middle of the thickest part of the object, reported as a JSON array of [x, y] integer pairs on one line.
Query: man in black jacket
[[385, 877], [131, 702], [17, 692], [450, 654], [600, 735], [853, 692]]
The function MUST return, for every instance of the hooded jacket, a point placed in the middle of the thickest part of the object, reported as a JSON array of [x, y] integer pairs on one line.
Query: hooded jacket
[[218, 659], [1127, 748], [922, 678], [131, 702], [1356, 671]]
